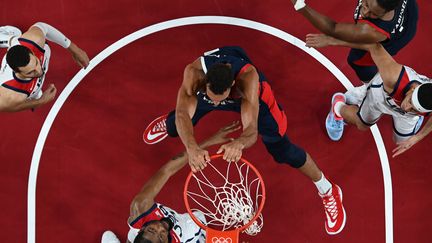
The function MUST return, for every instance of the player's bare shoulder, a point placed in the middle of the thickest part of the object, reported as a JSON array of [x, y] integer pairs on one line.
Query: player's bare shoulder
[[194, 78]]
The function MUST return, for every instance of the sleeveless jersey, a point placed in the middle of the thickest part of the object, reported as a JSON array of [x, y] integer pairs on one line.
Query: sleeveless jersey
[[184, 231], [399, 31], [239, 61], [32, 88], [394, 100]]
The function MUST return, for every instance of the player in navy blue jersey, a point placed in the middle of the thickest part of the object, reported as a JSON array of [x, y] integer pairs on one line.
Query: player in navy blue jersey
[[393, 23], [225, 79]]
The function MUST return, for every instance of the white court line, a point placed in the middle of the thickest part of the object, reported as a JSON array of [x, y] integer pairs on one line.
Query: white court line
[[31, 200]]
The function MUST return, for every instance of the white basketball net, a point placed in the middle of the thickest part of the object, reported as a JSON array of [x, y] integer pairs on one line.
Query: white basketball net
[[228, 199]]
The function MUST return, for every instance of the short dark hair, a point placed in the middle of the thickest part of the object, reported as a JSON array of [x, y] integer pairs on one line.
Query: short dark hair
[[425, 96], [388, 5], [219, 77], [140, 239], [18, 56]]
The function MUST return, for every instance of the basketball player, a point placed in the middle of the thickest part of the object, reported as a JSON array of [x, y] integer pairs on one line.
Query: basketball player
[[153, 222], [393, 23], [397, 90], [25, 65], [225, 79]]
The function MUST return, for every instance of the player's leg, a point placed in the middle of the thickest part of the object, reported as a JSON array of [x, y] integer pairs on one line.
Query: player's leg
[[272, 126], [164, 126], [7, 33], [170, 122]]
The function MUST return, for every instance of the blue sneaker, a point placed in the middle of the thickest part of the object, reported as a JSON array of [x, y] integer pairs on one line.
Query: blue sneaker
[[334, 124]]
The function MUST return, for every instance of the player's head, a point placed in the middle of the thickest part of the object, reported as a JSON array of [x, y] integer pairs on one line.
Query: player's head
[[376, 9], [22, 61], [156, 231], [418, 99], [219, 80]]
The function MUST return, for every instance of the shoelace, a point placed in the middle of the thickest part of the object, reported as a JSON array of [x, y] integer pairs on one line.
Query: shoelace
[[337, 124], [160, 126], [330, 206]]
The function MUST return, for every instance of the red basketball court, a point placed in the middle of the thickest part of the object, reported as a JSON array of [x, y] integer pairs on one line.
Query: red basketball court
[[94, 160]]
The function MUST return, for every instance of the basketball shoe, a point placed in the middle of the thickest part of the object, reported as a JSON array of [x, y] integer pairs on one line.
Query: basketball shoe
[[6, 32], [109, 237], [334, 210], [156, 131], [335, 124]]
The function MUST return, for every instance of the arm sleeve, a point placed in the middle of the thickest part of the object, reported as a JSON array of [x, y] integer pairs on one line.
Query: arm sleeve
[[54, 35]]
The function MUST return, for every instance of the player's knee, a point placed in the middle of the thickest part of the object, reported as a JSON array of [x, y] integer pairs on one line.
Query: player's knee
[[361, 126], [285, 152]]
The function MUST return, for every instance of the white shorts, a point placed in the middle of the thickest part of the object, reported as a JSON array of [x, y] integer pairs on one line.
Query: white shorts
[[374, 105]]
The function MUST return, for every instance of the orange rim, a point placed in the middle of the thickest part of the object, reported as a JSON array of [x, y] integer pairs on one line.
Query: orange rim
[[260, 208]]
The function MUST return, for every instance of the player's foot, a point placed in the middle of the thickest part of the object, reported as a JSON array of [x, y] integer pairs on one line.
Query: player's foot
[[356, 95], [334, 210], [6, 32], [419, 124], [156, 131], [109, 237], [335, 124]]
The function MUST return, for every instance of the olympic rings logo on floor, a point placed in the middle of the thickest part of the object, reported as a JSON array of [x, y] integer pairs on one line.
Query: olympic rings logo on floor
[[221, 240]]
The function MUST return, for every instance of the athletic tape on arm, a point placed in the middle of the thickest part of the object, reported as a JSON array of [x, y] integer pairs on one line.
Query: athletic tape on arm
[[54, 35]]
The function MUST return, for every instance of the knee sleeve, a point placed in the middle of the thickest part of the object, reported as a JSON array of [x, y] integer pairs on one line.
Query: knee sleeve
[[285, 152]]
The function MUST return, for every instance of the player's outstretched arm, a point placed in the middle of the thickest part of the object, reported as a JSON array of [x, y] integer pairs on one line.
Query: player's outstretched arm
[[144, 200], [357, 33], [388, 68], [407, 144], [248, 82], [41, 31], [185, 109], [11, 102]]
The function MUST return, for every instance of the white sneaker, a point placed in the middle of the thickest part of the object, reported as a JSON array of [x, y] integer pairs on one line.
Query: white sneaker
[[356, 95], [109, 237], [6, 32]]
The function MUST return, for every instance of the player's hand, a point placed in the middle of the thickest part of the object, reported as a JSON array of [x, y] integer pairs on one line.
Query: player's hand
[[318, 40], [79, 55], [232, 151], [405, 145], [221, 136], [198, 158], [49, 94]]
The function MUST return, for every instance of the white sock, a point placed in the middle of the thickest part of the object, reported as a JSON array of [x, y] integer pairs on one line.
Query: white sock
[[338, 107], [324, 186]]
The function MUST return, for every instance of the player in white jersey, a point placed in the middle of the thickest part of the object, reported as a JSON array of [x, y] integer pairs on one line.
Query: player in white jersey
[[152, 222], [395, 90], [25, 65]]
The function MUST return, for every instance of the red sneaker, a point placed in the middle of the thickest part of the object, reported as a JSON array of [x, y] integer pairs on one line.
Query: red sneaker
[[334, 210], [156, 131]]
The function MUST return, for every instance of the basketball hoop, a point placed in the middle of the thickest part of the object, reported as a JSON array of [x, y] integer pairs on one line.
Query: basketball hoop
[[226, 198]]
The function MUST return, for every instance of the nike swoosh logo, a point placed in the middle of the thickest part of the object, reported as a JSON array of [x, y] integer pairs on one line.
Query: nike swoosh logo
[[151, 136], [330, 222]]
